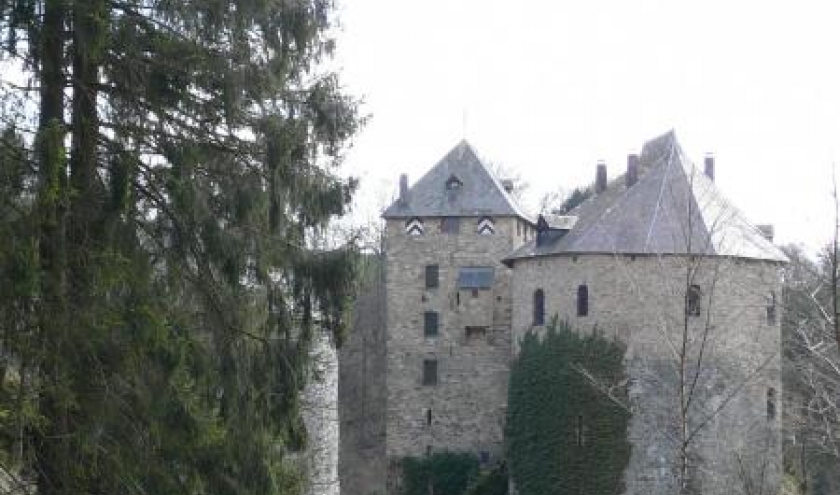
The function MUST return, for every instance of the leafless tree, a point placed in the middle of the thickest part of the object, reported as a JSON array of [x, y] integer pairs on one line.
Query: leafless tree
[[812, 330]]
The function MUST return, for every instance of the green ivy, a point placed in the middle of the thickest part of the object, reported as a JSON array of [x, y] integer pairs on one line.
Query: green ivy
[[444, 473], [492, 482], [565, 435]]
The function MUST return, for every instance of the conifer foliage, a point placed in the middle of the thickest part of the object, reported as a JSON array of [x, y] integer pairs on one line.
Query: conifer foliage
[[164, 177]]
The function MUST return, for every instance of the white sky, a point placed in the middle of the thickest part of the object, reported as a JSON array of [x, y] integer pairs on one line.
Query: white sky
[[550, 87]]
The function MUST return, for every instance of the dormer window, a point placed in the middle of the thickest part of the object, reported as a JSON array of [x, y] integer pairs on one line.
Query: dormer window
[[450, 225], [453, 183]]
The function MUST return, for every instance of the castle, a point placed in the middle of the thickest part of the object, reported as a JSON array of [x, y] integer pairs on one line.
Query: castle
[[656, 258]]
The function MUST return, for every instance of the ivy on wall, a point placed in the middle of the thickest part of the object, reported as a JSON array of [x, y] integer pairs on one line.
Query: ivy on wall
[[444, 473], [565, 435]]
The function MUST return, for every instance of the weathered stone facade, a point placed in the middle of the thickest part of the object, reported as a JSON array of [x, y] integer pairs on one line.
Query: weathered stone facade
[[461, 272], [641, 300], [465, 409]]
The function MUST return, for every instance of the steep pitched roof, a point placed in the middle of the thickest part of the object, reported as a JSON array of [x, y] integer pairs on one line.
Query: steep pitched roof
[[459, 185], [673, 208]]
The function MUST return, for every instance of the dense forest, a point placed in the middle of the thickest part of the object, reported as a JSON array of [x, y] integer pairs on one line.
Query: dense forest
[[167, 173]]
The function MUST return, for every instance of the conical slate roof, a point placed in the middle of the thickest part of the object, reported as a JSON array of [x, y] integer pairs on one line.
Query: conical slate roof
[[459, 185], [673, 208]]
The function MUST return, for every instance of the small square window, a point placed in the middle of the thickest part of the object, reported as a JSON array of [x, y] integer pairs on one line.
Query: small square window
[[430, 372], [475, 332], [432, 276], [450, 225], [430, 324]]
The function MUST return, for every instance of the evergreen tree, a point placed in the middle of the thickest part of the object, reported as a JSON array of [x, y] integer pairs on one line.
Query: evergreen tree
[[160, 225]]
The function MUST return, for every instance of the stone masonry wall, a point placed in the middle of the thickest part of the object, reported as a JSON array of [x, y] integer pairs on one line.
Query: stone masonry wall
[[465, 410], [640, 299]]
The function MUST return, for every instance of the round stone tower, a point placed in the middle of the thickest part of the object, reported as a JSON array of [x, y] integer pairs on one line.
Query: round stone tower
[[659, 259]]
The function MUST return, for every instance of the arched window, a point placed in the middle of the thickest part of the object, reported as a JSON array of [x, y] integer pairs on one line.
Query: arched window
[[539, 307], [692, 300], [583, 300]]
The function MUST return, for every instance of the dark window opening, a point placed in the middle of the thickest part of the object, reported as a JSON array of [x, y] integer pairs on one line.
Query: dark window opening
[[430, 372], [428, 450], [430, 324], [473, 332], [428, 417], [458, 298], [539, 307], [484, 457], [475, 293], [692, 300], [771, 309], [771, 403], [582, 300], [432, 276], [579, 431], [450, 225]]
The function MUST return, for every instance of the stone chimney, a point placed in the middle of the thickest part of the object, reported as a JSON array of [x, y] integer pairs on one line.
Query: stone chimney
[[709, 166], [601, 178], [403, 189], [508, 185], [632, 169], [767, 231]]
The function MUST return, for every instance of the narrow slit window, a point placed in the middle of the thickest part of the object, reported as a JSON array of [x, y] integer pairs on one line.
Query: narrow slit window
[[771, 404], [539, 307], [429, 417], [582, 300], [771, 309], [579, 431]]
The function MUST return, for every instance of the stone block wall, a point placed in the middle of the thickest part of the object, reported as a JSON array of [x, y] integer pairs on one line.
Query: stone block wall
[[465, 410], [641, 300]]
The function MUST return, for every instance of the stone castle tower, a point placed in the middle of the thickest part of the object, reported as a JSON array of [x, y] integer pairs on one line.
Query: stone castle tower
[[657, 258], [448, 310]]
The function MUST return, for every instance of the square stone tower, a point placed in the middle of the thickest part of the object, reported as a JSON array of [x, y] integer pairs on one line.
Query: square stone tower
[[448, 299]]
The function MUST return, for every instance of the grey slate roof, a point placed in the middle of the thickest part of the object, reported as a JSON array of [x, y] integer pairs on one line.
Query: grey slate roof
[[673, 208], [479, 194]]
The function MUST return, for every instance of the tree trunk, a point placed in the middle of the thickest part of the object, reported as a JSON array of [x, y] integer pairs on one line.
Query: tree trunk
[[50, 440]]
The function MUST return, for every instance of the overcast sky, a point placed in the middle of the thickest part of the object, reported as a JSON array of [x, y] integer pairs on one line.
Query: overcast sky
[[547, 88]]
